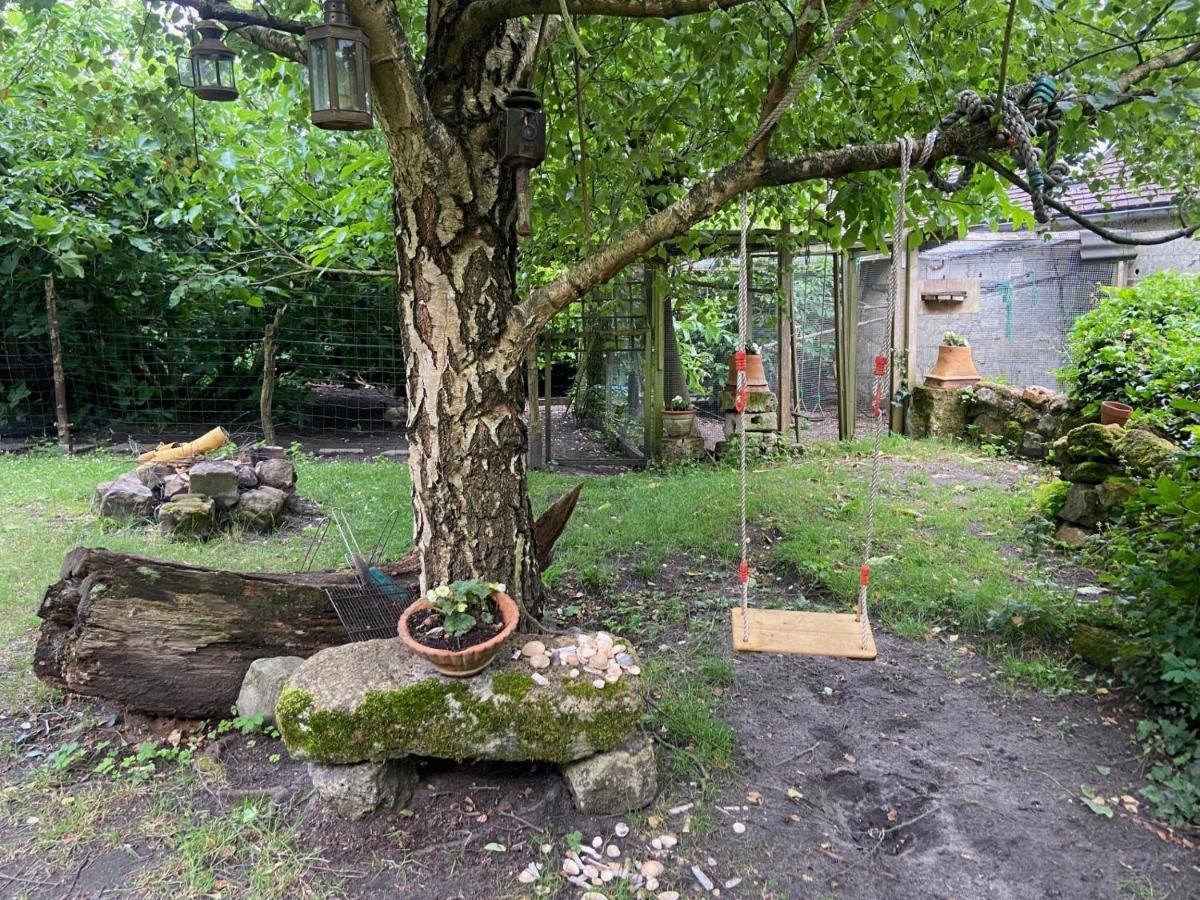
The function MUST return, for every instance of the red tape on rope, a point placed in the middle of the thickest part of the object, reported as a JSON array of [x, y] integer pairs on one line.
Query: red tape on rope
[[739, 367], [864, 575], [744, 572], [877, 407], [880, 365]]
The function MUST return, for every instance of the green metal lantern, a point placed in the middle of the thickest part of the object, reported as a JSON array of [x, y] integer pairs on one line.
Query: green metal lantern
[[208, 67], [339, 71]]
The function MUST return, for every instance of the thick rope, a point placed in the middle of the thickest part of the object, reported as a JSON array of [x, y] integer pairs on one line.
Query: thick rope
[[743, 315], [789, 97], [1026, 110], [884, 362]]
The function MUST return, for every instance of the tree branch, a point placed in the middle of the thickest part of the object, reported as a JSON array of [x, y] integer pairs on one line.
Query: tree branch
[[1115, 237], [481, 16], [227, 12], [1170, 59], [801, 37], [286, 46], [705, 198]]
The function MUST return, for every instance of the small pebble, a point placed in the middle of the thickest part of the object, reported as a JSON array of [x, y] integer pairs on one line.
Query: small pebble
[[529, 874], [732, 883], [598, 683], [656, 844], [619, 648], [607, 875], [652, 868], [612, 677], [539, 678], [613, 851], [574, 673], [541, 661], [620, 829], [703, 880], [669, 895], [739, 828], [624, 660], [534, 648], [634, 670], [668, 841], [597, 842], [570, 867], [593, 895], [604, 641], [591, 872], [652, 884]]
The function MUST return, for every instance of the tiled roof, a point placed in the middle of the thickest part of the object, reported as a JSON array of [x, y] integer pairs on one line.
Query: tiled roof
[[1117, 195]]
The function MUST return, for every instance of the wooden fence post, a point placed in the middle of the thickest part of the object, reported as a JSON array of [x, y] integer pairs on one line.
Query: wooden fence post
[[56, 361], [266, 398]]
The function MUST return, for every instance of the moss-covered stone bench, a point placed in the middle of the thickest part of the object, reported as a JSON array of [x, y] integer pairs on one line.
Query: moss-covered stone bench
[[358, 712]]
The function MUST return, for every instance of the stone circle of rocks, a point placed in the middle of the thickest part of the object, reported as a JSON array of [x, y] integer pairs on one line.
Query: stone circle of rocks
[[1024, 421], [255, 490]]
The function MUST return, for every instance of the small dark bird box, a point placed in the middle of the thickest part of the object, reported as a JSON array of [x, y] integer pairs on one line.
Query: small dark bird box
[[523, 138]]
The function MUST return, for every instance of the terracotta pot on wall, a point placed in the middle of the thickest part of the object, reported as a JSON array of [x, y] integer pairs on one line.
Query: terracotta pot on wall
[[955, 367], [756, 376], [678, 422], [470, 660], [1113, 412]]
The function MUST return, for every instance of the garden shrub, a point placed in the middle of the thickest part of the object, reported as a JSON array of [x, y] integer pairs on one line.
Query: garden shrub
[[1141, 346], [1155, 570]]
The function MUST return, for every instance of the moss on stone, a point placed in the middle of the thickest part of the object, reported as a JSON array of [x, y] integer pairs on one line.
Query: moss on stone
[[1089, 471], [1144, 452], [1093, 441], [443, 719]]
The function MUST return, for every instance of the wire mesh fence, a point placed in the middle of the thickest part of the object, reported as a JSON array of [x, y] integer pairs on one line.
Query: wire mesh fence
[[591, 378], [139, 365]]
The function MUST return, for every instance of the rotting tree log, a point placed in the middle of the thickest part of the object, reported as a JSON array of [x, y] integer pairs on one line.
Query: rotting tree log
[[172, 639]]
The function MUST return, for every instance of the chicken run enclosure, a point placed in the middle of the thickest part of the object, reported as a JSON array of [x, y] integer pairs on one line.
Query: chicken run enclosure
[[322, 364]]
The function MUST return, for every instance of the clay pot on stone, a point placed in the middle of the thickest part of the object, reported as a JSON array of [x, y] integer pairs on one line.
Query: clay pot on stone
[[756, 376], [1113, 412], [678, 423], [469, 660], [955, 367]]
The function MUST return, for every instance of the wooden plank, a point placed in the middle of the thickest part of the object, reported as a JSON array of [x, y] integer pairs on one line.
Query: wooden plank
[[807, 633]]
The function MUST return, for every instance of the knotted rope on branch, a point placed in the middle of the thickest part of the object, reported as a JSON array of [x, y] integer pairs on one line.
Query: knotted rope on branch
[[1027, 111]]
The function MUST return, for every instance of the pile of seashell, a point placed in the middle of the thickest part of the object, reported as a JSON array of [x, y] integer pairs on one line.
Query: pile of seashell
[[598, 655]]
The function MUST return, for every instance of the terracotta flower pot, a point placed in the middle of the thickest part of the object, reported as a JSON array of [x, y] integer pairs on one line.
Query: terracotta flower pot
[[1113, 412], [470, 660], [955, 367], [678, 423], [756, 376]]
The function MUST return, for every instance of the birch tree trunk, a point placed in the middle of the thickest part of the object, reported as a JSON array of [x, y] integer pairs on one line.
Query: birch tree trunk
[[457, 251]]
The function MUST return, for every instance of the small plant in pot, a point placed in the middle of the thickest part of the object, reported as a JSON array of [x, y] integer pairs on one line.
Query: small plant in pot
[[756, 375], [679, 418], [954, 367], [458, 628]]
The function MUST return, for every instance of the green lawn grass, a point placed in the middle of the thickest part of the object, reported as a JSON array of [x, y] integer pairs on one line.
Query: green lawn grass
[[952, 554]]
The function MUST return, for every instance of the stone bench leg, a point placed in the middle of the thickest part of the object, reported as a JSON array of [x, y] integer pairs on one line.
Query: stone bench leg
[[615, 782], [359, 789]]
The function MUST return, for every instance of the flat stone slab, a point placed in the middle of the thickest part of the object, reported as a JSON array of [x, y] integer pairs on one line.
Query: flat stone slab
[[376, 700]]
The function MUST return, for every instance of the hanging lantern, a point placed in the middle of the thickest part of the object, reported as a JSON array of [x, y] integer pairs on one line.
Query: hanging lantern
[[522, 146], [208, 67], [339, 73]]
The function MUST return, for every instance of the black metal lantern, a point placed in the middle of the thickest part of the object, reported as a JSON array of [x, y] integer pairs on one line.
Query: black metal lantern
[[522, 146], [339, 71], [208, 68]]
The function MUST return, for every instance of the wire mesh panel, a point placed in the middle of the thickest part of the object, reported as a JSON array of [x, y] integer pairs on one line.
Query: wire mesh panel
[[591, 372], [1030, 292], [142, 361], [873, 302], [704, 297], [812, 319]]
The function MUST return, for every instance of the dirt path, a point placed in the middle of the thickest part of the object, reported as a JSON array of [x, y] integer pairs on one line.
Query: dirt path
[[990, 785]]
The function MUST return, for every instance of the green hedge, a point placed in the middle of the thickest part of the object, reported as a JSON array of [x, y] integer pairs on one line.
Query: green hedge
[[1141, 345]]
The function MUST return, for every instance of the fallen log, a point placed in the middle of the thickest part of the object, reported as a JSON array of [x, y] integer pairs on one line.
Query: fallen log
[[172, 639]]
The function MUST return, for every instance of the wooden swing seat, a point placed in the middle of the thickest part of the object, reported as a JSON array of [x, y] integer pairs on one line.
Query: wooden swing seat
[[806, 633]]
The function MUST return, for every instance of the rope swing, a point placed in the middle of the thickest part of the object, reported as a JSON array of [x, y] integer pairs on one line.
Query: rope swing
[[812, 633]]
